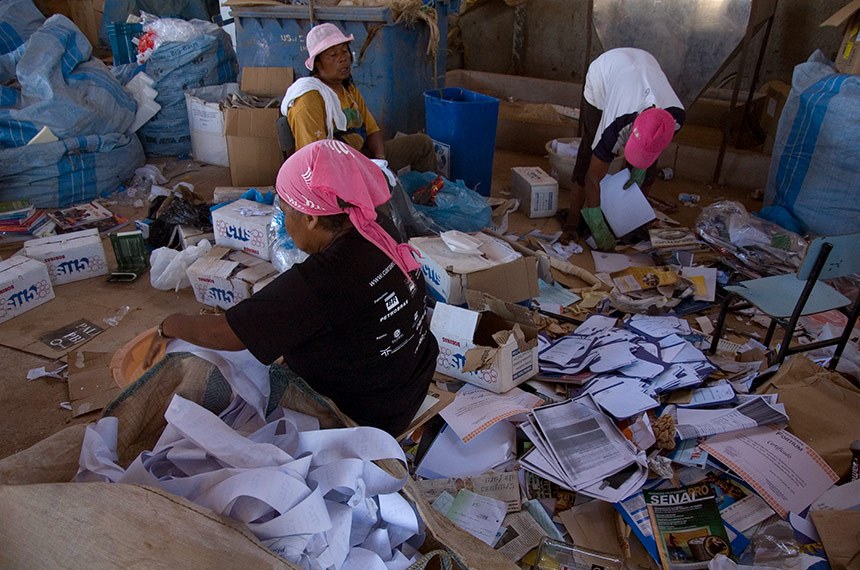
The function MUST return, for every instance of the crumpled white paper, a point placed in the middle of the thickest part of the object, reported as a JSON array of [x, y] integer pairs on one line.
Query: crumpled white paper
[[313, 496]]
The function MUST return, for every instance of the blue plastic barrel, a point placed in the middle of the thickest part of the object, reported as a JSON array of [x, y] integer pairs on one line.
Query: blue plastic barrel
[[391, 67], [466, 122]]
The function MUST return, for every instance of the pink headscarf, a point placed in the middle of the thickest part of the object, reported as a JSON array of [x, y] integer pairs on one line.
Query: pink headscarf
[[316, 175]]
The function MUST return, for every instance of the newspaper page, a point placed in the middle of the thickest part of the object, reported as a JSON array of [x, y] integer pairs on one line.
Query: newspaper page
[[687, 526]]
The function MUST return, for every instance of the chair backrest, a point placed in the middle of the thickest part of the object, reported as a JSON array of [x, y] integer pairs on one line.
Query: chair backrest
[[285, 137], [844, 257]]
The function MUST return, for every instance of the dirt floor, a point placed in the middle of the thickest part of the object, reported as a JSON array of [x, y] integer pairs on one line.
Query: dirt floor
[[30, 410]]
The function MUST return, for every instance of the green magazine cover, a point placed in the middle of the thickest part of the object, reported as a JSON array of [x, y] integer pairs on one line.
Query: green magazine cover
[[687, 526]]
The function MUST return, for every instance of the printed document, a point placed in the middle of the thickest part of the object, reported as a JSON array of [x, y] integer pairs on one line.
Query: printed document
[[782, 469], [475, 409], [755, 412]]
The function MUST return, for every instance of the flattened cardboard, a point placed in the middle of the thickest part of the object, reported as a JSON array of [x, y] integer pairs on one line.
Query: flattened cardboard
[[847, 60], [230, 193], [819, 402], [70, 257], [266, 81], [496, 351], [71, 335], [91, 387], [224, 278], [839, 531], [252, 146], [24, 285]]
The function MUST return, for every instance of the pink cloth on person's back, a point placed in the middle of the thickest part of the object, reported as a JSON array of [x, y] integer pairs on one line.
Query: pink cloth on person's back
[[316, 175]]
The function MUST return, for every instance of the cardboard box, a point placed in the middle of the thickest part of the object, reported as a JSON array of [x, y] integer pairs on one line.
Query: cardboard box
[[500, 271], [230, 193], [189, 235], [70, 257], [847, 60], [86, 14], [775, 96], [24, 285], [468, 345], [536, 190], [252, 134], [223, 277], [244, 225]]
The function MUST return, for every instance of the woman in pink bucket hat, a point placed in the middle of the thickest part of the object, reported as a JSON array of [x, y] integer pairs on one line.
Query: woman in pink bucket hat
[[628, 107], [328, 105]]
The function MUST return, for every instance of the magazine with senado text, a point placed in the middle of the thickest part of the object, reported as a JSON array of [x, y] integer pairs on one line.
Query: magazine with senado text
[[687, 526]]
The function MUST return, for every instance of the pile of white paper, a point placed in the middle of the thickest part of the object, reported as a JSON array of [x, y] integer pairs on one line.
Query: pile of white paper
[[313, 496], [625, 368]]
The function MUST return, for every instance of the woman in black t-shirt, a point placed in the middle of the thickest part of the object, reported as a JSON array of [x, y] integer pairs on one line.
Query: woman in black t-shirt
[[350, 320]]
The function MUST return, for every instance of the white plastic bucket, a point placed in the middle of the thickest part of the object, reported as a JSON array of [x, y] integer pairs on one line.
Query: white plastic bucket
[[206, 123], [561, 166]]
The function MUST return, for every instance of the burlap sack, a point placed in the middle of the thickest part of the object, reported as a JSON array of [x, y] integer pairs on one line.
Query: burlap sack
[[140, 410]]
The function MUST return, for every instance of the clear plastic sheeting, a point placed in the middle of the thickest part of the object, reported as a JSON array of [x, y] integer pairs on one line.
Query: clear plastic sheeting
[[762, 247], [284, 252]]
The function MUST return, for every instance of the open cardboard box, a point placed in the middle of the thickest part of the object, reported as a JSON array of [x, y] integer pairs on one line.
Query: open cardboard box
[[492, 344], [252, 134], [244, 225], [223, 278], [502, 272]]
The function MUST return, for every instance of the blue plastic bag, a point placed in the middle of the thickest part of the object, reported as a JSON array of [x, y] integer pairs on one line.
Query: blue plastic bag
[[456, 206]]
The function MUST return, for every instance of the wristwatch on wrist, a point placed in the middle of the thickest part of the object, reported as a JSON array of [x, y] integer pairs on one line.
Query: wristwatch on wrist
[[159, 330]]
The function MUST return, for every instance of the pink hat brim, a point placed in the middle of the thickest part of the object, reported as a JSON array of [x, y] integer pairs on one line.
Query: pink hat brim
[[330, 42]]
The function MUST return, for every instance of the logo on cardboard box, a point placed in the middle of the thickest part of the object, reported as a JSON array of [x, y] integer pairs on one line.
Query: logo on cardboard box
[[454, 361], [239, 233], [81, 265], [220, 295], [15, 301], [431, 275]]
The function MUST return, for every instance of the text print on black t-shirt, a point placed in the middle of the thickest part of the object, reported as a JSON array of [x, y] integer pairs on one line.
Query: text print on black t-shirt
[[392, 305]]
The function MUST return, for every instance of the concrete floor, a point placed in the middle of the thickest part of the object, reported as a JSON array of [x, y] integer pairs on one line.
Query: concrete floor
[[29, 411]]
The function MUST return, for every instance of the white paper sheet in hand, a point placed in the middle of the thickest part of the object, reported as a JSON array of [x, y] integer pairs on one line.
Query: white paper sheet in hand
[[624, 210]]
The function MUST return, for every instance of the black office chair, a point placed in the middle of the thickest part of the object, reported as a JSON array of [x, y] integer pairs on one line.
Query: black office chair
[[286, 141]]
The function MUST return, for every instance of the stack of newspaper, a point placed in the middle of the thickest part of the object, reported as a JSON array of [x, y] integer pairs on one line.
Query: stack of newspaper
[[578, 447]]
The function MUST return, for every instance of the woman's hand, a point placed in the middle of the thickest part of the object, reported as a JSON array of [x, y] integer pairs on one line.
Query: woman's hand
[[156, 349]]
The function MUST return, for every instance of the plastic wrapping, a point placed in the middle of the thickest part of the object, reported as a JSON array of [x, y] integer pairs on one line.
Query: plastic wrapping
[[456, 206], [774, 545], [284, 253], [761, 246], [168, 265], [158, 31]]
